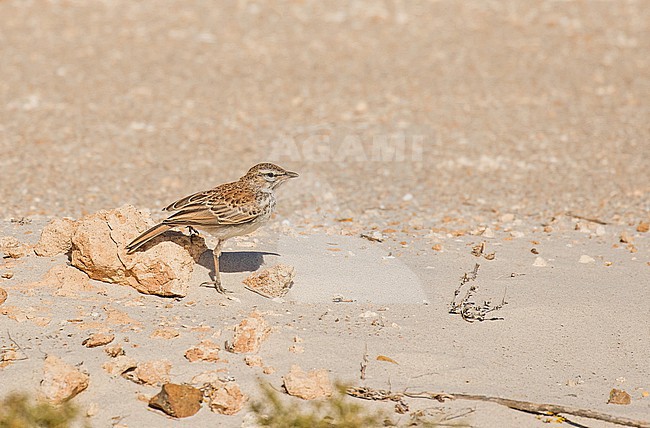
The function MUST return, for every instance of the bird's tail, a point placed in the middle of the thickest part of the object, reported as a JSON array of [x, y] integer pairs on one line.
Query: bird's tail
[[147, 236]]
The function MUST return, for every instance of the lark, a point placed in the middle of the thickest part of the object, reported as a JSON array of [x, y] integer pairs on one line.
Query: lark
[[228, 210]]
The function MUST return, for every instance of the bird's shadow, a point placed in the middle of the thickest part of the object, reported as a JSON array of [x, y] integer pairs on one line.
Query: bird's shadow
[[235, 261]]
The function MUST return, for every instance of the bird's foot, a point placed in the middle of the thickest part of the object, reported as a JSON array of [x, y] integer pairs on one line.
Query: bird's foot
[[217, 286], [193, 233]]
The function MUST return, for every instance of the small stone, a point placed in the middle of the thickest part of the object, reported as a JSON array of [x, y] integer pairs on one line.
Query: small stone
[[114, 351], [540, 262], [307, 385], [488, 233], [272, 282], [600, 230], [574, 382], [119, 365], [69, 281], [92, 409], [618, 396], [517, 234], [643, 227], [207, 377], [41, 321], [586, 259], [296, 349], [206, 350], [368, 314], [416, 223], [61, 381], [154, 372], [626, 238], [249, 335], [268, 370], [13, 248], [3, 296], [98, 339], [507, 218], [253, 361], [7, 275], [165, 333], [9, 355], [178, 401], [56, 238], [224, 398]]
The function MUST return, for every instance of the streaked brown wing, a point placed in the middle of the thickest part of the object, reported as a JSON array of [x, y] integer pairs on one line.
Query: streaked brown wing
[[193, 216], [227, 204], [212, 211], [228, 214], [194, 199]]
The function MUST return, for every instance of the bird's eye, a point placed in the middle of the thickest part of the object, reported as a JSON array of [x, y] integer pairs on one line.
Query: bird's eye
[[269, 174]]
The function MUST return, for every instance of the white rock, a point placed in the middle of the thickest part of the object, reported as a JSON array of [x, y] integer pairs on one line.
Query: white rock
[[368, 314], [540, 262], [61, 381], [586, 259]]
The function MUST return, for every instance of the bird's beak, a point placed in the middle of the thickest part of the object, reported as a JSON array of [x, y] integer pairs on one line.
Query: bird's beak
[[292, 174]]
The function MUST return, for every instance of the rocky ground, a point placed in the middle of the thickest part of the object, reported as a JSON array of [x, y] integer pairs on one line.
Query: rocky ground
[[429, 137]]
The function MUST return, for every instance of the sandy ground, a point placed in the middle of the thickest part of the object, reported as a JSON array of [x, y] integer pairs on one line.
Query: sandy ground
[[427, 121]]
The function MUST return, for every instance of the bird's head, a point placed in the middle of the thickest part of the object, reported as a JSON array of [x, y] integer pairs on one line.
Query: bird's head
[[268, 175]]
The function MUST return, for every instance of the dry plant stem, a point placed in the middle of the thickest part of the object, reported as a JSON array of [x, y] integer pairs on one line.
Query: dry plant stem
[[364, 363], [260, 292], [524, 406], [593, 220], [466, 308], [20, 348], [467, 277]]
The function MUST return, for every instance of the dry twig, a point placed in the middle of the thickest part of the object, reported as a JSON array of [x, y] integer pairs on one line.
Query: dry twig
[[379, 395], [524, 406], [13, 348], [592, 220]]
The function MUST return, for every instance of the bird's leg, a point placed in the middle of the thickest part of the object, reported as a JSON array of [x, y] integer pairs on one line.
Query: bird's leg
[[217, 276]]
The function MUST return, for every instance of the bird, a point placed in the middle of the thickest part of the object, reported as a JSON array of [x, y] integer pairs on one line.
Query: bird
[[231, 209]]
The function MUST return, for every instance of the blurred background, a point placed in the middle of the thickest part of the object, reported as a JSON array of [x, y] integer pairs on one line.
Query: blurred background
[[421, 109]]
